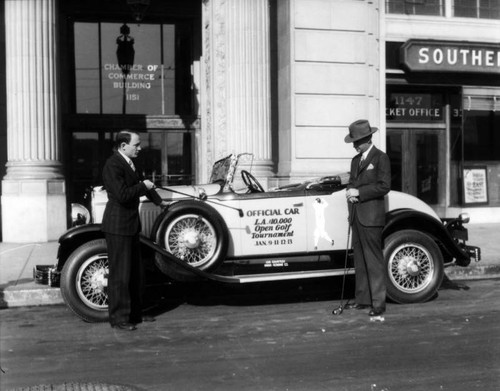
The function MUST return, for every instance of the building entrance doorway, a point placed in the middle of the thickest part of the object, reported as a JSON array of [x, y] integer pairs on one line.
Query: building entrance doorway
[[418, 162], [120, 74]]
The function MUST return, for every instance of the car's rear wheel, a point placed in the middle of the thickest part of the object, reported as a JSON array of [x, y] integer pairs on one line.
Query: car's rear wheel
[[414, 266], [195, 233], [84, 281]]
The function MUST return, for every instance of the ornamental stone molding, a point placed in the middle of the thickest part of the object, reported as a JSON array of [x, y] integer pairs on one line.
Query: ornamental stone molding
[[237, 80]]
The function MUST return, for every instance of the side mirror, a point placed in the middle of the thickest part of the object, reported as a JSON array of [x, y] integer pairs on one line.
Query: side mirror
[[202, 195]]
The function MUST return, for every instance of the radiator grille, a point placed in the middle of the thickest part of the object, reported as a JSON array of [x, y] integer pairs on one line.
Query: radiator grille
[[148, 214]]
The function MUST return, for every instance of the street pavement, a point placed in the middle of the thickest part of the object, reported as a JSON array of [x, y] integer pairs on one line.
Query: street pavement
[[264, 339], [17, 261]]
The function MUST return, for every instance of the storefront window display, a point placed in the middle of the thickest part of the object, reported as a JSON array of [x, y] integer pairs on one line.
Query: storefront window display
[[475, 146], [418, 139]]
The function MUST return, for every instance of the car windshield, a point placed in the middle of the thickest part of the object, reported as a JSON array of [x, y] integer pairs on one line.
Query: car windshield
[[222, 169], [227, 171]]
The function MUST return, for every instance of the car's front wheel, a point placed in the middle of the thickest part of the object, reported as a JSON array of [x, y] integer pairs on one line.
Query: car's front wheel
[[414, 266], [84, 281]]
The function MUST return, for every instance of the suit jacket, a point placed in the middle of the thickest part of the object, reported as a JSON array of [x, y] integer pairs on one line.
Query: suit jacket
[[373, 181], [124, 188]]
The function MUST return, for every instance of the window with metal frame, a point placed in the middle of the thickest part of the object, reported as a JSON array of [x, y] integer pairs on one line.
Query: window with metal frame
[[481, 9], [136, 69], [415, 7]]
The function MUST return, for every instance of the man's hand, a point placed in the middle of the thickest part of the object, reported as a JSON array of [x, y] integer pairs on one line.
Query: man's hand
[[149, 185], [352, 195]]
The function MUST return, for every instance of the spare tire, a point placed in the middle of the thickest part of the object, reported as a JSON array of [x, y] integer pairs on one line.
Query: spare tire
[[195, 233]]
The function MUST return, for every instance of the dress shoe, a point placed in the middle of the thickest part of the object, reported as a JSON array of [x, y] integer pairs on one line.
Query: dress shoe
[[356, 306], [376, 312], [124, 326]]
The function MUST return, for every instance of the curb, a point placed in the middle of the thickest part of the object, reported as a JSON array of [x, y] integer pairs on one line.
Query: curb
[[30, 296], [75, 387], [473, 273]]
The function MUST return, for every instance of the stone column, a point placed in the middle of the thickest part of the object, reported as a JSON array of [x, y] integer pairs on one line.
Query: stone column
[[33, 189], [237, 54]]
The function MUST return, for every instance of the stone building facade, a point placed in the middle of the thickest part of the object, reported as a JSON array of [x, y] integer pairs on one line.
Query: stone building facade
[[200, 79]]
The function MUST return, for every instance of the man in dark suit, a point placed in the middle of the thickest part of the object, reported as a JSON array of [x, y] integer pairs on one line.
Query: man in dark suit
[[121, 225], [369, 182]]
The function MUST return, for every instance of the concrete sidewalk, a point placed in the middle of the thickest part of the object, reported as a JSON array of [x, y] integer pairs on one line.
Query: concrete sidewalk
[[18, 288]]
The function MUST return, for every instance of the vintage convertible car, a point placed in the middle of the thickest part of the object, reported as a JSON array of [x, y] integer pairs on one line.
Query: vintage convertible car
[[233, 231]]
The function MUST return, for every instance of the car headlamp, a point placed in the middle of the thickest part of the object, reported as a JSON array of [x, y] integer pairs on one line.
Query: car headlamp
[[464, 218], [79, 215]]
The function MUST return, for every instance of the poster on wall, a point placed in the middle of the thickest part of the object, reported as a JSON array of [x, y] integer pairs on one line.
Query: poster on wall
[[475, 185]]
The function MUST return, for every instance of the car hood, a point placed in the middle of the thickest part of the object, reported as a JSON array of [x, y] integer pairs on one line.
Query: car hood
[[177, 192]]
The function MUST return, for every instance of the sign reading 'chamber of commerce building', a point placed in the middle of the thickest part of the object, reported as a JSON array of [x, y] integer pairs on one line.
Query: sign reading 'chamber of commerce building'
[[444, 56], [141, 78]]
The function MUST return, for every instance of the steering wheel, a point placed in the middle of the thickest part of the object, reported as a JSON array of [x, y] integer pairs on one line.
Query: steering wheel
[[252, 183]]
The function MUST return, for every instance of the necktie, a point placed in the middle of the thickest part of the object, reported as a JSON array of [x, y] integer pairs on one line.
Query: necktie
[[131, 164]]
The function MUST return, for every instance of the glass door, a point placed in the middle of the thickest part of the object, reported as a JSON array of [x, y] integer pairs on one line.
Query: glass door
[[417, 163]]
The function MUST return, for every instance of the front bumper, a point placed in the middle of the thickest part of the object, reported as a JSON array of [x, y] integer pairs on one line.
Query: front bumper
[[46, 275], [474, 253], [460, 235]]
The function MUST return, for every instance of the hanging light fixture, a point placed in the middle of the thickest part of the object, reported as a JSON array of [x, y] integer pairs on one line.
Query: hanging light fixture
[[138, 8], [125, 51]]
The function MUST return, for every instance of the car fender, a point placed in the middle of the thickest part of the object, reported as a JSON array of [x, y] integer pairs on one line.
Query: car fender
[[74, 238], [399, 219], [173, 206]]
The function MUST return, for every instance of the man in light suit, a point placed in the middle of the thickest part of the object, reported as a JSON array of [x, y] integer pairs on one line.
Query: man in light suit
[[121, 225], [369, 182]]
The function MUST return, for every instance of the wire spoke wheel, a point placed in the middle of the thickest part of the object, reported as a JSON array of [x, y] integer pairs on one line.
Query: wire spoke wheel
[[84, 281], [92, 282], [411, 268], [191, 238], [414, 266]]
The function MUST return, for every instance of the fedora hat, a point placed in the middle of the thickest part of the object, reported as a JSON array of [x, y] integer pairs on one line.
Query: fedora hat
[[358, 130]]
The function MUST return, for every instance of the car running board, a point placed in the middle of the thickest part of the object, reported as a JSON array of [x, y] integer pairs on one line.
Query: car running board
[[242, 279], [246, 278]]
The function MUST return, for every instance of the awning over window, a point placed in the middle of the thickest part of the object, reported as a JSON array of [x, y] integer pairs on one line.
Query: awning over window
[[481, 98]]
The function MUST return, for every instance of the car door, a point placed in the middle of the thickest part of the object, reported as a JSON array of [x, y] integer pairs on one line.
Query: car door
[[271, 225], [326, 221]]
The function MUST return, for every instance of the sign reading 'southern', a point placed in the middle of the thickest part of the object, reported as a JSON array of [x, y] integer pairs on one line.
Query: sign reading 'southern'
[[444, 56]]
